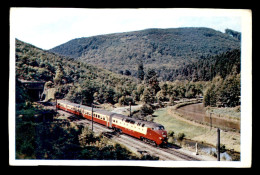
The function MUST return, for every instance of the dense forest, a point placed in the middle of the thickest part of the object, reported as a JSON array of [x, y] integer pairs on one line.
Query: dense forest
[[160, 49], [206, 69]]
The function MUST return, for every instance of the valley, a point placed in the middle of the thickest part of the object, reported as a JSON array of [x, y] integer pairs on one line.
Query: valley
[[152, 69]]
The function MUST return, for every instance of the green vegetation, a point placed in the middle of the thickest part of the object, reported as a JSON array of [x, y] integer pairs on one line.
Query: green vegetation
[[163, 50], [233, 113], [73, 80], [233, 33], [59, 139], [223, 92], [195, 62], [177, 126], [180, 136], [83, 83], [206, 69]]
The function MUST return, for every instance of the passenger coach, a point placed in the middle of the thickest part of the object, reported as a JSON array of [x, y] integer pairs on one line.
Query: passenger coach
[[149, 132]]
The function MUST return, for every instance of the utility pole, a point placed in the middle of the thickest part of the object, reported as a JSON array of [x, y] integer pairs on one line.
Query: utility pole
[[130, 109], [81, 98], [56, 103], [210, 120], [218, 145], [92, 115]]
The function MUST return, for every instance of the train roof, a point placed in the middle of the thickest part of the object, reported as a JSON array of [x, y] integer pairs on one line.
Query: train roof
[[147, 123], [112, 114]]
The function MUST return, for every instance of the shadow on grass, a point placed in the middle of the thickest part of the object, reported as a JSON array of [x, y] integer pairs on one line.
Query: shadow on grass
[[172, 145]]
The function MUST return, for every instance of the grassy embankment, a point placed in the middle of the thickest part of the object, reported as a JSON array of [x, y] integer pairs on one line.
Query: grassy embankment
[[195, 131]]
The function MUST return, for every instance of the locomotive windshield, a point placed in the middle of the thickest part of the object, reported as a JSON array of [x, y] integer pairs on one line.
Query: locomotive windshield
[[159, 128]]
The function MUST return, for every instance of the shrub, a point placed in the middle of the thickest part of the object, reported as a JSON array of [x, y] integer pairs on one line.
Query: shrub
[[146, 110], [181, 136], [170, 133], [149, 118]]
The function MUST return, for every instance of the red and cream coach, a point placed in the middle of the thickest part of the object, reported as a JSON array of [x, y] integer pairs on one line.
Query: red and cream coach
[[150, 132]]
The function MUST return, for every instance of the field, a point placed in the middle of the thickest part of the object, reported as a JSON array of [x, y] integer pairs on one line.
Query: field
[[232, 113], [195, 131], [224, 118]]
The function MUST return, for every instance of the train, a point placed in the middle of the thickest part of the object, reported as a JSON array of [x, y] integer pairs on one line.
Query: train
[[149, 132]]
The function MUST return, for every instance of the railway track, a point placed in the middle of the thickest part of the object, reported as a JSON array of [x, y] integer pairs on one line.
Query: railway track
[[168, 153], [132, 143]]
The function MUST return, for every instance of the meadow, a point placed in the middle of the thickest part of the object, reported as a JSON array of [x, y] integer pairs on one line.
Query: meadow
[[195, 131]]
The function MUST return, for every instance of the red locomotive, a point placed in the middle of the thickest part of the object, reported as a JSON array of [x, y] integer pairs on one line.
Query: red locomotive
[[150, 132]]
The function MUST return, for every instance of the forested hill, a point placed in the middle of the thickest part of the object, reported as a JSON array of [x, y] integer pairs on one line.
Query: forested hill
[[161, 49], [72, 79]]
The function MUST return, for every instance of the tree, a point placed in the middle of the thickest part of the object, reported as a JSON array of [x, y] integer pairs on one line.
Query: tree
[[230, 91], [212, 93], [121, 72], [127, 72], [233, 33], [146, 110], [226, 92], [152, 81], [58, 76], [140, 71], [148, 96]]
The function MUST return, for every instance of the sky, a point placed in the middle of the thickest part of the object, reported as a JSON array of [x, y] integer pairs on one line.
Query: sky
[[50, 27]]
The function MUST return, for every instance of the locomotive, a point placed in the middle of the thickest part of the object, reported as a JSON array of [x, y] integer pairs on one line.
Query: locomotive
[[149, 132]]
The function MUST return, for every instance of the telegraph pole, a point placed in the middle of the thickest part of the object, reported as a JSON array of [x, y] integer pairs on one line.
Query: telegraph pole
[[56, 102], [218, 145], [92, 115], [210, 120], [130, 109]]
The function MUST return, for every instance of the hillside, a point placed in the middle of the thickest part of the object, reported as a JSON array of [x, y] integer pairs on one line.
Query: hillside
[[72, 79], [161, 49], [206, 69]]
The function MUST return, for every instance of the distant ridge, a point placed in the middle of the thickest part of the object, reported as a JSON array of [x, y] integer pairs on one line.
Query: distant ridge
[[160, 49]]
